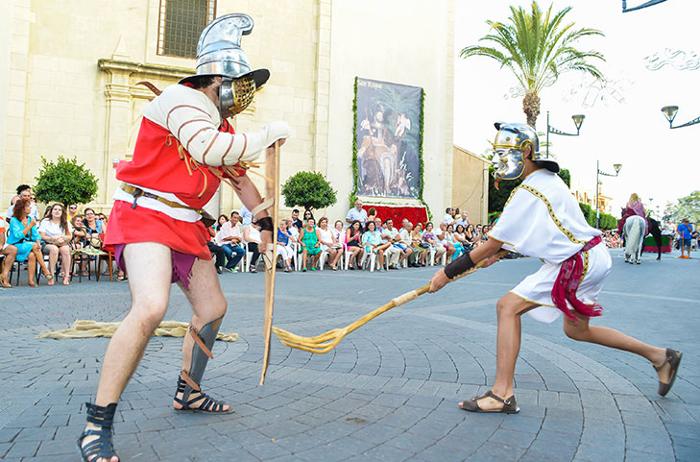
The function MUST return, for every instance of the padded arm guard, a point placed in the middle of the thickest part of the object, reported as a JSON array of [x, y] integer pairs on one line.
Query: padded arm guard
[[459, 266]]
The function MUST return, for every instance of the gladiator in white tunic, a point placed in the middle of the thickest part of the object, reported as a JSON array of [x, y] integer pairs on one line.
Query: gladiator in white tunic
[[542, 219]]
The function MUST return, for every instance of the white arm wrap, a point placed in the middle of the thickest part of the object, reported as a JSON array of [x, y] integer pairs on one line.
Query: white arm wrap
[[193, 119]]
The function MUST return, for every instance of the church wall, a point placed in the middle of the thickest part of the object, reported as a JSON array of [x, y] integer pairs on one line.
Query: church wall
[[71, 69]]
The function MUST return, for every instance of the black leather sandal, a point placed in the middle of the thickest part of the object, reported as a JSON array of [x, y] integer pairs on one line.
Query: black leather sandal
[[207, 403], [673, 358], [509, 405], [102, 446]]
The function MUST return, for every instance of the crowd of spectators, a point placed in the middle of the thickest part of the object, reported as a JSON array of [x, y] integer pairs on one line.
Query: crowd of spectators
[[363, 241], [55, 243]]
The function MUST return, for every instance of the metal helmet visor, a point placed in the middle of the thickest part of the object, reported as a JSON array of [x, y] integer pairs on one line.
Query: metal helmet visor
[[235, 95], [508, 155]]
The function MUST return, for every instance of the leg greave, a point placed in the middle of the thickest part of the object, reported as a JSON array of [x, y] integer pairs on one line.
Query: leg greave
[[201, 354]]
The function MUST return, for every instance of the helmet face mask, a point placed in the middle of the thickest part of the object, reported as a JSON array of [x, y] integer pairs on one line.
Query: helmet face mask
[[509, 148], [235, 95], [508, 163]]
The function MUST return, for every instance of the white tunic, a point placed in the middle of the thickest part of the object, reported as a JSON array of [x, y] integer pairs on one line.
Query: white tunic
[[542, 219]]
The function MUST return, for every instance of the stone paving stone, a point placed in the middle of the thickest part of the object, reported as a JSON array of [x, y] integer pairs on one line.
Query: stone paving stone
[[386, 393], [23, 449]]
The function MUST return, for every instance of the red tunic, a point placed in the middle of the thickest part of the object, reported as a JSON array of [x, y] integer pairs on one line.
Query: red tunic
[[158, 164]]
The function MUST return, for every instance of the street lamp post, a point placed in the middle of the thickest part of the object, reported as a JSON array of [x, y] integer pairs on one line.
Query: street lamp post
[[646, 4], [599, 172], [670, 113], [578, 121]]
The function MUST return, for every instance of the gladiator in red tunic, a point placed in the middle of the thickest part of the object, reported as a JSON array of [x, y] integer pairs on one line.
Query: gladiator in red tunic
[[185, 147]]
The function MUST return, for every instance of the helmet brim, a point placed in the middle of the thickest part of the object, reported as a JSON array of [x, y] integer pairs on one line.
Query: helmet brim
[[260, 76], [549, 165]]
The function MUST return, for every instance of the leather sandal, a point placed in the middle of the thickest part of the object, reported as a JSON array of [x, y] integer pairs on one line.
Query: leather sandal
[[673, 358], [206, 404], [102, 446], [509, 405]]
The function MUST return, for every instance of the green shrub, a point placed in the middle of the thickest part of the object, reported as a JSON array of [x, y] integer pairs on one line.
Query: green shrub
[[65, 181]]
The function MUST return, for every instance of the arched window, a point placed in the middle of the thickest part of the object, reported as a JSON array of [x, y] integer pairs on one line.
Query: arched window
[[179, 24]]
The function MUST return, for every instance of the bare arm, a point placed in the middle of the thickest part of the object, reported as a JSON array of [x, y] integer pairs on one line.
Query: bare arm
[[486, 251]]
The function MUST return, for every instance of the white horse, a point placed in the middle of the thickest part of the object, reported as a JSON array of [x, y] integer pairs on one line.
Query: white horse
[[634, 239]]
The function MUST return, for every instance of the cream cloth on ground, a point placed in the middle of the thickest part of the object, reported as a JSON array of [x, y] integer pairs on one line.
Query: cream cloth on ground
[[91, 329]]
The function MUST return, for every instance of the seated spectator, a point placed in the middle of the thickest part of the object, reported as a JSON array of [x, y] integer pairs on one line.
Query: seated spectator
[[391, 235], [284, 244], [448, 219], [230, 238], [441, 234], [94, 228], [463, 219], [24, 192], [79, 240], [420, 250], [372, 214], [10, 252], [485, 233], [461, 236], [378, 224], [353, 240], [251, 235], [23, 234], [310, 246], [356, 213], [431, 239], [56, 238], [216, 250], [72, 211], [308, 215], [469, 234], [372, 243], [329, 243], [296, 222], [450, 237], [220, 222], [405, 242]]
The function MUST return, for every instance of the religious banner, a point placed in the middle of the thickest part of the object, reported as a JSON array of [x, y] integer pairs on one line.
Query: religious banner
[[388, 137]]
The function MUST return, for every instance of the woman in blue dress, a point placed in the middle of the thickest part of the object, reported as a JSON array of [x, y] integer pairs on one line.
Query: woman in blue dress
[[23, 234]]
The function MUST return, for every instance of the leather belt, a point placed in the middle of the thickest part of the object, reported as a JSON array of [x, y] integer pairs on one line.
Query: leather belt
[[137, 192]]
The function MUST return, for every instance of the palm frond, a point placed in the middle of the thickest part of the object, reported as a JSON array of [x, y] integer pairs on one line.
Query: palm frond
[[537, 46]]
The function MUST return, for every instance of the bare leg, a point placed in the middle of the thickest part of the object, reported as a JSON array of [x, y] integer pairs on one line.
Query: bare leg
[[10, 253], [151, 266], [612, 338], [208, 304], [31, 269], [64, 251], [509, 309], [53, 257]]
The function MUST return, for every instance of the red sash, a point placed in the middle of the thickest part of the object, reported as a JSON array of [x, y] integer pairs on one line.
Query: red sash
[[567, 282]]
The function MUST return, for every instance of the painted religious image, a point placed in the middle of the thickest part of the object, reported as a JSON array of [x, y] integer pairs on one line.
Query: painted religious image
[[387, 132]]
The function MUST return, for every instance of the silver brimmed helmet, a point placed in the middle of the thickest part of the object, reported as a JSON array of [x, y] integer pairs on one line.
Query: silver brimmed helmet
[[508, 147], [219, 53]]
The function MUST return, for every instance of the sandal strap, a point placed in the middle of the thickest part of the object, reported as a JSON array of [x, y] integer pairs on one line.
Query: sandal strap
[[101, 415]]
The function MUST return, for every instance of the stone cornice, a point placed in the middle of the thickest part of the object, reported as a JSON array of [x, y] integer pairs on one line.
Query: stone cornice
[[155, 70]]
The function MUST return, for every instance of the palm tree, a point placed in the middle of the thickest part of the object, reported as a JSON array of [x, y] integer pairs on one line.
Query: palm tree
[[537, 47]]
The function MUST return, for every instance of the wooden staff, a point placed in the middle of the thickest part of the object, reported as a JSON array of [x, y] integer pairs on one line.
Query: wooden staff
[[272, 189]]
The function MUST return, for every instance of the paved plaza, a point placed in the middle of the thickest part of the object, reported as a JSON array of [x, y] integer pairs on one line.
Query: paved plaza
[[387, 393]]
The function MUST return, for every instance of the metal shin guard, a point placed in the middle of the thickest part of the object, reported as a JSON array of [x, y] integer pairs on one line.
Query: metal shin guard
[[201, 354]]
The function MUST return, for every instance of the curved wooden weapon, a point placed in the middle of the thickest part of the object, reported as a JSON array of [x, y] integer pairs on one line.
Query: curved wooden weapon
[[328, 340], [272, 189]]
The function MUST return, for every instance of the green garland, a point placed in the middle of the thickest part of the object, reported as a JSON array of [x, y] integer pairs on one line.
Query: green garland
[[355, 174], [352, 197]]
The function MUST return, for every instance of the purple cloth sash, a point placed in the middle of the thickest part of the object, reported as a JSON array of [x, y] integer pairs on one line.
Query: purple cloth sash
[[567, 282], [182, 264]]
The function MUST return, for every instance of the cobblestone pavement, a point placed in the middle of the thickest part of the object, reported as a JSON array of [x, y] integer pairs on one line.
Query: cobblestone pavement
[[388, 392]]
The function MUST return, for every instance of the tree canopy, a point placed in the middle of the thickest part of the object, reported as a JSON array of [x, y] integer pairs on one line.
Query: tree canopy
[[308, 189], [65, 181], [537, 46]]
